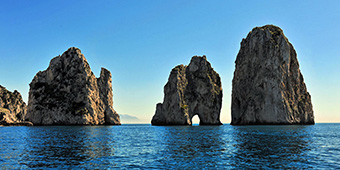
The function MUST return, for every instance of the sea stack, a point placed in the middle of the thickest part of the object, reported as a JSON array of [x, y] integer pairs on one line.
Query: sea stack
[[12, 108], [268, 87], [191, 90], [68, 93]]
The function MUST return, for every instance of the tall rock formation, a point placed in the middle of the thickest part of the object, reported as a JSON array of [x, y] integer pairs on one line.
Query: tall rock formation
[[68, 93], [268, 87], [12, 108], [191, 90]]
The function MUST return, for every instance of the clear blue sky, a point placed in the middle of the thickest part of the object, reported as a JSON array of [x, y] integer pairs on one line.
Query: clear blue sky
[[140, 41]]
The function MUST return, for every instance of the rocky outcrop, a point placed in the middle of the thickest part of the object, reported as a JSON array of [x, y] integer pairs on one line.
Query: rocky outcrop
[[12, 108], [191, 90], [268, 87], [68, 93]]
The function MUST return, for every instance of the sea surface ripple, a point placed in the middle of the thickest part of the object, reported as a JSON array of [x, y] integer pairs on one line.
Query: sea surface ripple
[[170, 147]]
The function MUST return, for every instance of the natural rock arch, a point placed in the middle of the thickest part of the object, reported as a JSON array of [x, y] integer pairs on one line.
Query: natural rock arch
[[191, 90], [195, 119]]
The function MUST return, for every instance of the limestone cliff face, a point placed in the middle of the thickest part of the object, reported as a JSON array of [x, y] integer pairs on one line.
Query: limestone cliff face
[[191, 90], [68, 93], [268, 87], [12, 108]]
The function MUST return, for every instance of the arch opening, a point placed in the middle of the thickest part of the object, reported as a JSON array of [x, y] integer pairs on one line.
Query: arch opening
[[195, 120]]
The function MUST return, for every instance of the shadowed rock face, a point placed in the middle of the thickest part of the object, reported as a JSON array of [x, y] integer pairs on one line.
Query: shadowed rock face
[[12, 108], [68, 93], [268, 87], [191, 90]]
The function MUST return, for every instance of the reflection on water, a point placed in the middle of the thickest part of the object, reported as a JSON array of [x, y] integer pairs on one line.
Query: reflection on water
[[271, 147], [52, 147], [170, 147], [190, 147]]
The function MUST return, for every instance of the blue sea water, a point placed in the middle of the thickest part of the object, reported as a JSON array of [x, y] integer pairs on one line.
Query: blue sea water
[[170, 147]]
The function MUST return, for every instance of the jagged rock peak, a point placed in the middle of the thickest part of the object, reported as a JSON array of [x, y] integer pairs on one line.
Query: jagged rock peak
[[191, 90], [68, 93], [273, 29], [268, 87], [12, 108]]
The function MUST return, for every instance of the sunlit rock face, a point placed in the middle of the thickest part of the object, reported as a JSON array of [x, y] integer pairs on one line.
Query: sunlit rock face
[[68, 93], [268, 87], [191, 90], [12, 108]]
